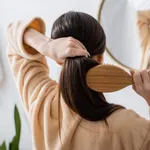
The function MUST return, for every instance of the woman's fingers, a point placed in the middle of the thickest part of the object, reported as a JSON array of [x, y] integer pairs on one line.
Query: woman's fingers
[[142, 84], [145, 76], [132, 72], [76, 48], [138, 81], [148, 72], [62, 48], [80, 52], [133, 86], [77, 43], [73, 44], [72, 52]]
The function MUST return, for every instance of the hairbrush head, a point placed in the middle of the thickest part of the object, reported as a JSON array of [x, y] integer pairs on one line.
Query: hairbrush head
[[108, 78]]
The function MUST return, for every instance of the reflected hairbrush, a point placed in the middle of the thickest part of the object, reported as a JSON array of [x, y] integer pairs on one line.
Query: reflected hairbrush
[[108, 78]]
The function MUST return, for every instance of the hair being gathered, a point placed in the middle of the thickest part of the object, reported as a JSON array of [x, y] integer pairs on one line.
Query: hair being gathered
[[89, 104]]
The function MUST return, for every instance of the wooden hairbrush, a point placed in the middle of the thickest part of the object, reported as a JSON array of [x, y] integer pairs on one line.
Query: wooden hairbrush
[[108, 78]]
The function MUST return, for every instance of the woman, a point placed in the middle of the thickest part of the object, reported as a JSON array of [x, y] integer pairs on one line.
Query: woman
[[69, 115]]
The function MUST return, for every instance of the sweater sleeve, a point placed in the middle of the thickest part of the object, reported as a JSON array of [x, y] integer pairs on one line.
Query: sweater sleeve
[[29, 67]]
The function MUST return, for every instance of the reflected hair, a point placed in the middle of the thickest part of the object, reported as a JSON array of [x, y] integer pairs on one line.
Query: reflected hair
[[89, 104]]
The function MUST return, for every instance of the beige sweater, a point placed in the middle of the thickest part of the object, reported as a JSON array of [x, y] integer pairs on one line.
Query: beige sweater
[[54, 126]]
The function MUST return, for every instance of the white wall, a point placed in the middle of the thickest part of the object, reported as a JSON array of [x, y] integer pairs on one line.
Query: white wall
[[49, 10]]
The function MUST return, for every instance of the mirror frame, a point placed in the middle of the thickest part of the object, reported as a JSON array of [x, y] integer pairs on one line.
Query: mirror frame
[[107, 49]]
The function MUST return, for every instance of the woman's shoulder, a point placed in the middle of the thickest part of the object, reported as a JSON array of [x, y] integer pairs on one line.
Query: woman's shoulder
[[127, 113], [127, 120], [129, 127]]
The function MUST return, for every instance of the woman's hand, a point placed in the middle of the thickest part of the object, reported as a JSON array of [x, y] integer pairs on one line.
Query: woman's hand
[[60, 49], [57, 49], [142, 84]]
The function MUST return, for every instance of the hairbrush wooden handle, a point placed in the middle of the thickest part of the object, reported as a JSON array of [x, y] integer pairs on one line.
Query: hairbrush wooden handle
[[108, 78]]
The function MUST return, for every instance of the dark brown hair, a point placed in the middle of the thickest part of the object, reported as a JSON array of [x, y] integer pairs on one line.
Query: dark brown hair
[[89, 104]]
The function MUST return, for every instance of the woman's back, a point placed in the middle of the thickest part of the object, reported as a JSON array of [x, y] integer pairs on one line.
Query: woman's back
[[126, 130], [57, 124]]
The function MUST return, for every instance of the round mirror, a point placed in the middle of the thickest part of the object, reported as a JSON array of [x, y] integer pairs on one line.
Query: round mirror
[[127, 31]]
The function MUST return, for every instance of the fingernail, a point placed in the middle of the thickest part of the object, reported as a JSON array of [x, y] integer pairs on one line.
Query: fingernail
[[88, 54]]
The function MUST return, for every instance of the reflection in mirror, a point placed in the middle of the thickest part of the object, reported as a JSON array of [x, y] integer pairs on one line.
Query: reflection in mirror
[[127, 31], [144, 32]]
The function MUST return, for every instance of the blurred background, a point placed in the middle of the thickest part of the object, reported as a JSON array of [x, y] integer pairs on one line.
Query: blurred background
[[124, 21]]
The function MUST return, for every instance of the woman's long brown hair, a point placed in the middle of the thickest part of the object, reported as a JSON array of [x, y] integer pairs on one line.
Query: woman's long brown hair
[[89, 104]]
